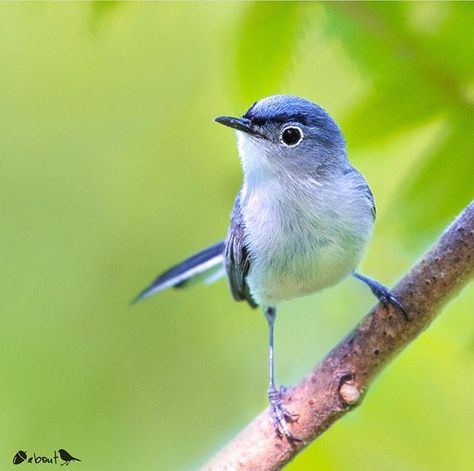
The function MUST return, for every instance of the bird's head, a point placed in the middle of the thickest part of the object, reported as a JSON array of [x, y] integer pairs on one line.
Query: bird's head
[[286, 134]]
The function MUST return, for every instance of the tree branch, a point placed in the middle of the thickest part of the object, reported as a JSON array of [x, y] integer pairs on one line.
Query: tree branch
[[339, 382]]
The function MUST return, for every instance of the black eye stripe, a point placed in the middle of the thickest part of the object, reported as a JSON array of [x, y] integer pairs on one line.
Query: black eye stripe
[[291, 136], [279, 118], [249, 113]]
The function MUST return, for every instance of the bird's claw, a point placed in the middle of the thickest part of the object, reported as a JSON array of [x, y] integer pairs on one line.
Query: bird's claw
[[389, 298], [382, 293], [280, 415]]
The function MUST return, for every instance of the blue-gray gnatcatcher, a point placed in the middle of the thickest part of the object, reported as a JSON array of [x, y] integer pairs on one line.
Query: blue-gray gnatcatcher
[[300, 222]]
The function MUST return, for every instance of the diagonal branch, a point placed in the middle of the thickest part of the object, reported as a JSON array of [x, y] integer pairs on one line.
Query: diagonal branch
[[338, 383]]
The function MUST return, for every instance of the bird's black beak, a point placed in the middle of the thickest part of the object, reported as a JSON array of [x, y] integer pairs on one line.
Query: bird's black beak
[[240, 124]]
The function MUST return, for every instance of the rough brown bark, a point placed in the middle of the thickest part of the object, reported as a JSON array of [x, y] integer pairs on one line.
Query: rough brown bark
[[339, 382]]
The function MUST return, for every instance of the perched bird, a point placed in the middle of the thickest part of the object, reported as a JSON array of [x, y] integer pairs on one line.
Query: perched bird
[[300, 223], [66, 457]]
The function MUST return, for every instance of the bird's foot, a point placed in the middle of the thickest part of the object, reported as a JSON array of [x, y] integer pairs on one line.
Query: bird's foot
[[280, 415], [382, 293], [386, 297]]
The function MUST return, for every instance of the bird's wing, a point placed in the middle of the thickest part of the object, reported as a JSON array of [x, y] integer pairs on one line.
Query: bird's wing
[[370, 196], [362, 185], [236, 257]]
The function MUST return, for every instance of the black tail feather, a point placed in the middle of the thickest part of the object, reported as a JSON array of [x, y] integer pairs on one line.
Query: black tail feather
[[180, 275]]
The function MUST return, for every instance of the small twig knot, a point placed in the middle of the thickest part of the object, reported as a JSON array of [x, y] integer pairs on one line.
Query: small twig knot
[[349, 393]]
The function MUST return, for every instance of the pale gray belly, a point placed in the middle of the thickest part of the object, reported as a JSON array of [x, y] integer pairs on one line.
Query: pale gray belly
[[300, 264], [304, 243]]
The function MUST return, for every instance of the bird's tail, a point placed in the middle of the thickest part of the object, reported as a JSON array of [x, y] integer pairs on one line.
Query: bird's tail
[[207, 265]]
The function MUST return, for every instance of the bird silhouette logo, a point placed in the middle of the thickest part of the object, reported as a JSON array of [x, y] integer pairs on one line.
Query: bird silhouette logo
[[19, 457], [66, 457]]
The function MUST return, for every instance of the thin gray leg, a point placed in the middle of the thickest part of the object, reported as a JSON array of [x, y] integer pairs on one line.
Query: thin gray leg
[[382, 293], [270, 315], [279, 413]]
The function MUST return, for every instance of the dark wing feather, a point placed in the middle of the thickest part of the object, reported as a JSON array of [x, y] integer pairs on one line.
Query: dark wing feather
[[237, 259], [372, 201]]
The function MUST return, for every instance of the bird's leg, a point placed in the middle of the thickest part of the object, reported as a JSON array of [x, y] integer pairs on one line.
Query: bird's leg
[[382, 293], [279, 413]]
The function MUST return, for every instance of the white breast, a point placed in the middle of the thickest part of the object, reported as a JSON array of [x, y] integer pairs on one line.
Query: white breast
[[303, 236]]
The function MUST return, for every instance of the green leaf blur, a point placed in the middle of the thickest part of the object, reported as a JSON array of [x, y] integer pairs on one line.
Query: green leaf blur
[[111, 170]]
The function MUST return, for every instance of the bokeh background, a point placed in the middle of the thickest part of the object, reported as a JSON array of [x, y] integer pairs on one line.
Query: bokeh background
[[111, 169]]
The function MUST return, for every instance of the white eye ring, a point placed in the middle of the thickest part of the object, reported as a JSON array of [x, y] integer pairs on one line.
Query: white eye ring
[[289, 138]]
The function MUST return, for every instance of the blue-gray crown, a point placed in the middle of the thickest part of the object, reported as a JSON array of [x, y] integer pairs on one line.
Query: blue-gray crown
[[286, 108]]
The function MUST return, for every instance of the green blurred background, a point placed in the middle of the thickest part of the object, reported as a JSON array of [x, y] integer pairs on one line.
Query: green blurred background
[[111, 169]]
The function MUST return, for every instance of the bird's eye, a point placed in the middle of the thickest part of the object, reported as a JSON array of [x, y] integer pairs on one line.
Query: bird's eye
[[291, 136]]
